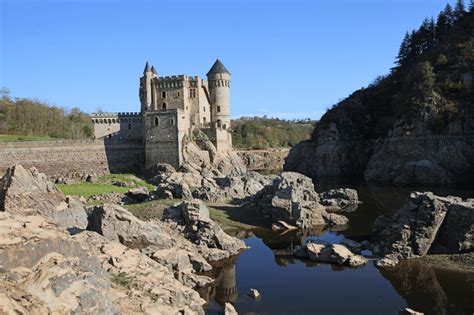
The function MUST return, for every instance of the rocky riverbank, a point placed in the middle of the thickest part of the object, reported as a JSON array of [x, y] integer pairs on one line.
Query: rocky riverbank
[[100, 259]]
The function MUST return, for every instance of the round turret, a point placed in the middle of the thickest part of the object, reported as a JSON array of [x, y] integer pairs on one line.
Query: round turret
[[219, 88]]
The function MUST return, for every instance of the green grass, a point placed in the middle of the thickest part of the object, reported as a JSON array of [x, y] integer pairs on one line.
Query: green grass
[[88, 189], [103, 185], [24, 138], [122, 279], [151, 209]]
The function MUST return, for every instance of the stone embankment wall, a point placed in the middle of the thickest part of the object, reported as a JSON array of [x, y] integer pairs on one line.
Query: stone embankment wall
[[268, 159], [69, 158]]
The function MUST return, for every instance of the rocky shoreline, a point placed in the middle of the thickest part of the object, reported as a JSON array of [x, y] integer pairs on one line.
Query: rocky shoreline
[[159, 265]]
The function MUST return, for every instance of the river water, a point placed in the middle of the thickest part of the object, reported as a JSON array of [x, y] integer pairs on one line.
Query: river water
[[292, 286]]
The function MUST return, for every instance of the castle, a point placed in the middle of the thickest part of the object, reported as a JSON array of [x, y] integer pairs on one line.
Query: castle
[[174, 109]]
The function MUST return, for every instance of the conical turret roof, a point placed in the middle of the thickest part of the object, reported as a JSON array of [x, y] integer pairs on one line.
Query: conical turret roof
[[147, 67], [154, 70], [218, 67]]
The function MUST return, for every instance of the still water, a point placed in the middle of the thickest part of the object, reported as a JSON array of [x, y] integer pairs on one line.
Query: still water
[[293, 286]]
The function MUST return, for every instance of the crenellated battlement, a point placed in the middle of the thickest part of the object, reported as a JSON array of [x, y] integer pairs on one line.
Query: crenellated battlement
[[115, 114]]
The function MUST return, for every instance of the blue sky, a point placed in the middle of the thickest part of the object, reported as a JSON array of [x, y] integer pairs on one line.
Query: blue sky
[[288, 59]]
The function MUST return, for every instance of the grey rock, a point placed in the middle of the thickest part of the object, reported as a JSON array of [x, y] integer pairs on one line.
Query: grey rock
[[425, 224], [340, 199], [116, 223], [29, 192], [200, 229], [291, 198], [409, 311], [58, 274], [229, 309], [139, 194], [254, 293]]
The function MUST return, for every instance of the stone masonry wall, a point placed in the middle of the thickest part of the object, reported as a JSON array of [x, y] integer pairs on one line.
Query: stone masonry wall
[[73, 158]]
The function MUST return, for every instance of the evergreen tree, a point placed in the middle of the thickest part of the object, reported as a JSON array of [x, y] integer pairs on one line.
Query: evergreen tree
[[449, 13], [404, 51], [471, 6], [459, 9], [441, 25]]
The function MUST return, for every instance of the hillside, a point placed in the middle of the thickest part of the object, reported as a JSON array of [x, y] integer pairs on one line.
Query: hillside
[[36, 120], [414, 125], [262, 132]]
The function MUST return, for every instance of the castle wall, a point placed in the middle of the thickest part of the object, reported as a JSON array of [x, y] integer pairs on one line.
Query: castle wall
[[174, 92], [164, 132], [69, 158], [118, 126]]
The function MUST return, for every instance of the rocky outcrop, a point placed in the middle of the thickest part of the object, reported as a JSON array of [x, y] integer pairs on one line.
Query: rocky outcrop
[[193, 216], [344, 199], [116, 223], [29, 192], [268, 159], [206, 183], [332, 152], [139, 194], [291, 198], [330, 254], [425, 224], [121, 264]]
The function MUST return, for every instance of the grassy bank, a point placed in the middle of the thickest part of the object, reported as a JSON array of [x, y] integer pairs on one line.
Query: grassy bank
[[103, 185]]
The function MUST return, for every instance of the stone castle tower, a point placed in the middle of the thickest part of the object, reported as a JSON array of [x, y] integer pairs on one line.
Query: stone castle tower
[[174, 109]]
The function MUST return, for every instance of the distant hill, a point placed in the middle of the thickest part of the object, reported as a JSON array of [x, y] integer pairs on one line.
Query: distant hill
[[26, 117], [413, 125], [263, 132]]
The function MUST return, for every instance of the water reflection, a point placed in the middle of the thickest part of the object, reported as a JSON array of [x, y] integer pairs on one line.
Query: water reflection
[[432, 290], [224, 288], [293, 286]]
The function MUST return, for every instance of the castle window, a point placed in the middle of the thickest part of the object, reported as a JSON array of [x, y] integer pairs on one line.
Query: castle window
[[163, 106], [224, 126], [178, 94], [219, 123], [218, 109], [156, 121], [129, 126], [163, 94], [204, 120], [204, 108], [192, 93]]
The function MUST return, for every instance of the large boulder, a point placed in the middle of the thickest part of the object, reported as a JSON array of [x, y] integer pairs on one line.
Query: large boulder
[[118, 224], [331, 254], [29, 192], [340, 199], [149, 286], [139, 194], [291, 198], [425, 224], [47, 272], [200, 229]]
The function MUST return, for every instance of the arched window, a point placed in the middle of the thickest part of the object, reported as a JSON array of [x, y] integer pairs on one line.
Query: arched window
[[163, 106], [219, 123], [156, 121], [224, 126]]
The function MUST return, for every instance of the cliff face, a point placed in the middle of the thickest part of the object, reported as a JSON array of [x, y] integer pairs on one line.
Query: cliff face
[[413, 126]]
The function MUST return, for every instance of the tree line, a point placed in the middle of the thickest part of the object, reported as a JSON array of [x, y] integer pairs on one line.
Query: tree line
[[264, 132], [22, 116]]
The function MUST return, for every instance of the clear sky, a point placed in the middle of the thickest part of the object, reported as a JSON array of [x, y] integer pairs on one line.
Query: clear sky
[[288, 59]]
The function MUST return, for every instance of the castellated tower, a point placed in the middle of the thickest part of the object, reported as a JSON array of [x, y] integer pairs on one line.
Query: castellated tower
[[178, 117], [176, 109], [219, 87]]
